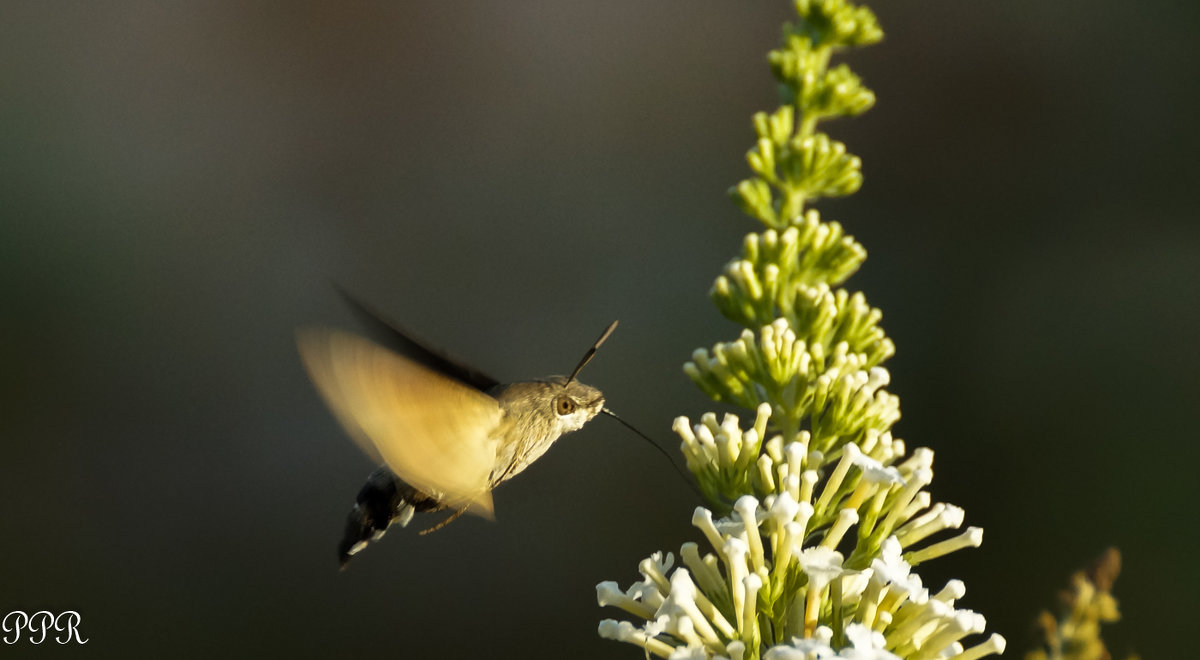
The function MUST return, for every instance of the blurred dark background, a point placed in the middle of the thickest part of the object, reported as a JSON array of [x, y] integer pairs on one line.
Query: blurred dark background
[[180, 183]]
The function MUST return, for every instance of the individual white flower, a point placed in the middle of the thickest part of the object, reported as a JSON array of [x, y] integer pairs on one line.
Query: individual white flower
[[810, 648], [684, 615], [783, 510], [735, 551], [890, 568], [624, 631], [702, 519], [752, 583], [608, 593], [953, 590], [865, 644], [821, 565], [874, 472], [972, 538], [854, 584], [939, 517], [797, 454], [655, 568], [747, 509]]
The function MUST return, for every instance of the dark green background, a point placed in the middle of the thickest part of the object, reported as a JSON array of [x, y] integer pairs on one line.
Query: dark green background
[[180, 182]]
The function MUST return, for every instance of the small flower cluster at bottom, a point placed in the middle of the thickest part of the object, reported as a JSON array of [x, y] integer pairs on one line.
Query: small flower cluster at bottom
[[800, 603]]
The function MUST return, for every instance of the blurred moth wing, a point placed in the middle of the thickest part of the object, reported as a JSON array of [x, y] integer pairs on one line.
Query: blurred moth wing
[[433, 431]]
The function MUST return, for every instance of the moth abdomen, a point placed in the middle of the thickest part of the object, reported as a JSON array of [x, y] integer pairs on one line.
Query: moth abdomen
[[382, 501]]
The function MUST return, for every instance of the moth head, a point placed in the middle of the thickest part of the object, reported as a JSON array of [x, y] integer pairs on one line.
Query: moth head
[[573, 403], [549, 407]]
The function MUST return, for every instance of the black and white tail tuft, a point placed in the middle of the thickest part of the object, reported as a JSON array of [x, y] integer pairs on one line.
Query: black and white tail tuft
[[382, 501]]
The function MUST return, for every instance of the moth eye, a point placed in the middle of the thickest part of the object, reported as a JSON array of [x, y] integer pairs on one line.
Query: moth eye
[[564, 405]]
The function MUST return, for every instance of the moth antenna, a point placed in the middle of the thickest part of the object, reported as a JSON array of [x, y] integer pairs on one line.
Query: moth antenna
[[591, 352], [654, 444]]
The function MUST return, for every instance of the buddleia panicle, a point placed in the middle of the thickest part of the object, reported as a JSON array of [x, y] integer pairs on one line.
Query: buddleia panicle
[[817, 515]]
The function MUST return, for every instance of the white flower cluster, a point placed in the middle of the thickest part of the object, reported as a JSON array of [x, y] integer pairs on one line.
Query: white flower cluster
[[720, 605], [726, 458], [777, 583]]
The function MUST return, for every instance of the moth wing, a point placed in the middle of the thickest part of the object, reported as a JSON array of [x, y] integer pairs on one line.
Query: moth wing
[[392, 336], [434, 432]]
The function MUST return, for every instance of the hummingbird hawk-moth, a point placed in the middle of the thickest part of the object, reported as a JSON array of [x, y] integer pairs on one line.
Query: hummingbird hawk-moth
[[444, 433]]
